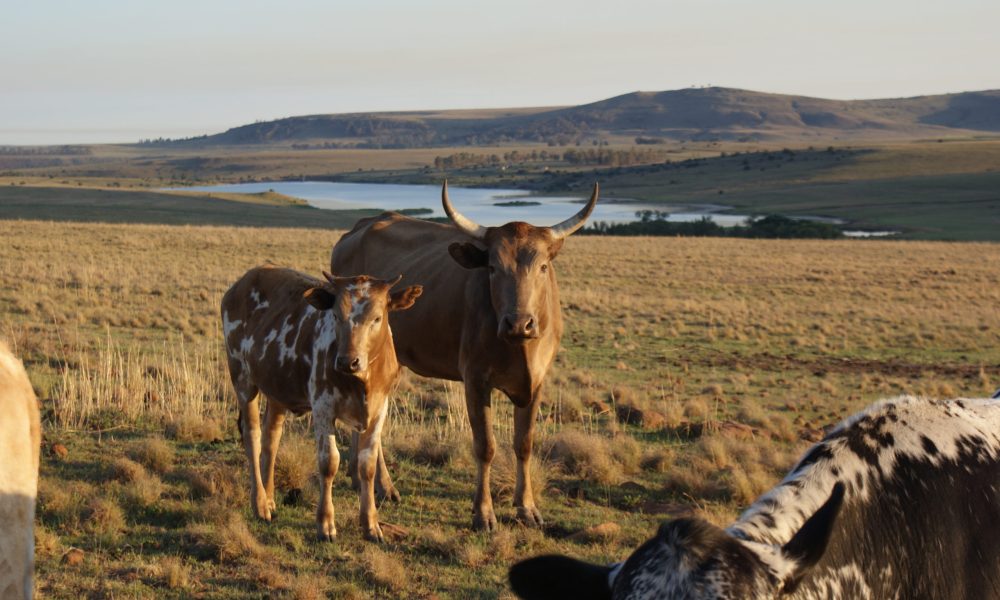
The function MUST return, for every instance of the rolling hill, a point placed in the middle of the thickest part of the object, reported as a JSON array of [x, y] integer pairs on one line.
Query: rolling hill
[[695, 114]]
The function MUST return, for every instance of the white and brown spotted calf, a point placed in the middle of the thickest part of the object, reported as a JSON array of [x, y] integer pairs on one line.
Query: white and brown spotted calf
[[312, 345], [899, 501], [20, 436]]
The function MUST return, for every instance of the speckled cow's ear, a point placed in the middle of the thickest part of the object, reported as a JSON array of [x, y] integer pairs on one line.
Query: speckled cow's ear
[[807, 546], [319, 298]]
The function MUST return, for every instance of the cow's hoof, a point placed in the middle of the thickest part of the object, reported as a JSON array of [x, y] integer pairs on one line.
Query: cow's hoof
[[261, 506], [264, 513], [374, 534], [529, 516], [391, 495], [327, 536], [486, 521]]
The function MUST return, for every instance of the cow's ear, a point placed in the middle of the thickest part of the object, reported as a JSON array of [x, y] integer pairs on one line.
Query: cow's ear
[[319, 298], [808, 545], [554, 576], [404, 299], [555, 247], [468, 255]]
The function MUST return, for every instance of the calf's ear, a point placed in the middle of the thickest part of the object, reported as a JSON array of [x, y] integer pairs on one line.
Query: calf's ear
[[468, 255], [808, 545], [319, 298], [404, 299], [554, 576]]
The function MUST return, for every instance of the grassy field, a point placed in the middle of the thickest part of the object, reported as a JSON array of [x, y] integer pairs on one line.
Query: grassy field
[[693, 373], [129, 206]]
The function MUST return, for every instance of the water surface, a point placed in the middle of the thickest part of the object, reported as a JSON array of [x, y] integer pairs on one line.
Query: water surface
[[479, 204]]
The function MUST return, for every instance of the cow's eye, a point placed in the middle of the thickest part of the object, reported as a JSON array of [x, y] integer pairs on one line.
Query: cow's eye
[[378, 320], [545, 267]]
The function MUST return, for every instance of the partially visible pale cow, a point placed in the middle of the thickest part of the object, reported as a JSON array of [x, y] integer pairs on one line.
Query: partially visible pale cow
[[20, 437], [320, 346]]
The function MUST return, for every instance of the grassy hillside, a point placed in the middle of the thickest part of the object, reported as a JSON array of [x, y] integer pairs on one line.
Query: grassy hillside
[[689, 114], [693, 373], [120, 206]]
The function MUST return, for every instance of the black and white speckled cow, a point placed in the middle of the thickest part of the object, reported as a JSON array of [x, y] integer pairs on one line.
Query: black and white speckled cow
[[901, 500]]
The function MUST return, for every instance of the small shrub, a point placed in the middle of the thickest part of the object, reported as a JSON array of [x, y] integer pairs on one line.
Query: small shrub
[[175, 574], [433, 540], [295, 464], [657, 460], [384, 570], [127, 470], [226, 536], [104, 519], [155, 453], [47, 542], [194, 428], [626, 452], [311, 587], [144, 491], [423, 447], [582, 455], [504, 474]]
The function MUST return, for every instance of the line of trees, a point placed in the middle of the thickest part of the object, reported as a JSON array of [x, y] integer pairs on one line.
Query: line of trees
[[585, 156], [770, 226], [43, 150]]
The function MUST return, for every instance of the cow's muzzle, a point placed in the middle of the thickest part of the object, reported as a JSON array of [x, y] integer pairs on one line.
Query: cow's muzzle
[[519, 327], [348, 364]]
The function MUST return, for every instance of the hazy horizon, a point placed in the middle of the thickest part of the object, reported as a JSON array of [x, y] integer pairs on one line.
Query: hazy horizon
[[110, 71]]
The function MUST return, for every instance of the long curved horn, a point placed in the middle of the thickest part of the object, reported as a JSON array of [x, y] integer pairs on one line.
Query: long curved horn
[[461, 221], [576, 221]]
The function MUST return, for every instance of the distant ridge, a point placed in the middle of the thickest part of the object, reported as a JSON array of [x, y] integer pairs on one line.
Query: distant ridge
[[696, 114]]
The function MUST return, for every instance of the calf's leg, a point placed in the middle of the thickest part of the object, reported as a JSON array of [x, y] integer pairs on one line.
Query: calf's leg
[[370, 445], [385, 489], [274, 421], [250, 432], [328, 459]]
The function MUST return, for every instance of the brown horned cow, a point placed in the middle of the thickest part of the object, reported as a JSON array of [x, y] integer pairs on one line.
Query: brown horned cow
[[20, 437], [309, 345], [492, 320]]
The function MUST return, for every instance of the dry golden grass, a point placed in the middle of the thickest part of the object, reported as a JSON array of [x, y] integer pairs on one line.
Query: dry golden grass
[[384, 570], [194, 428], [175, 573], [720, 338], [584, 455]]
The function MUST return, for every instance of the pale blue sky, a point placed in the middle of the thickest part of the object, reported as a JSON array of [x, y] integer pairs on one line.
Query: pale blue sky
[[116, 70]]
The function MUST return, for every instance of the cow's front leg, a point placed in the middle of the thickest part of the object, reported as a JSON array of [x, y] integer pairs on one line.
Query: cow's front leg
[[524, 499], [369, 447], [480, 408], [384, 488], [328, 458], [274, 421]]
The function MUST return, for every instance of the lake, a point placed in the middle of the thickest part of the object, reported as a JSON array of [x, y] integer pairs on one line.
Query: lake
[[479, 204]]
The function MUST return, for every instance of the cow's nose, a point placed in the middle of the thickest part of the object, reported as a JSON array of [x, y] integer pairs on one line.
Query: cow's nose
[[346, 365], [520, 326]]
